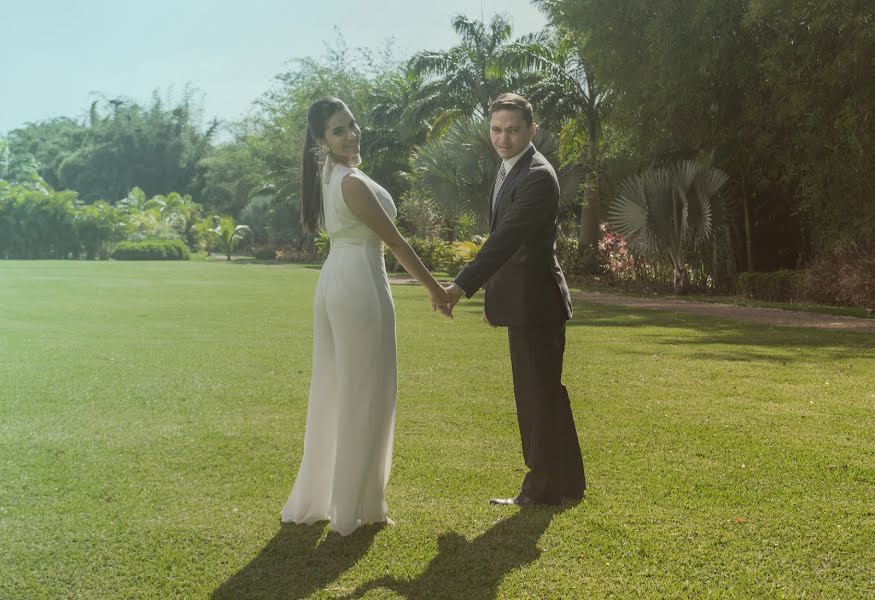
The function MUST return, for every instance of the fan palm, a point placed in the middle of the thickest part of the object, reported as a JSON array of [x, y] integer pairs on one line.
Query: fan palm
[[669, 209]]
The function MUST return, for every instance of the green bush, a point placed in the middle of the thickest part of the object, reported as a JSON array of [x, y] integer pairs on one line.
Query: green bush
[[303, 254], [463, 253], [574, 263], [322, 243], [152, 250], [435, 254], [265, 253], [567, 252], [777, 286]]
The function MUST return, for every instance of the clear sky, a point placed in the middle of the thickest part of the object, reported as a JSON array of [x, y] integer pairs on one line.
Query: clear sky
[[56, 56]]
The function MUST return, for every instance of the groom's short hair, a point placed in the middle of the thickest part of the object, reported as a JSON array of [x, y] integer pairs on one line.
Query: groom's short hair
[[513, 102]]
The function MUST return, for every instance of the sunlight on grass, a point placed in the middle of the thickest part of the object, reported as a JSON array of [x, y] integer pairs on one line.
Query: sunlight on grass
[[152, 419]]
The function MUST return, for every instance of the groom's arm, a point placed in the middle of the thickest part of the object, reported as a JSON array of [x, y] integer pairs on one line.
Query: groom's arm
[[536, 203]]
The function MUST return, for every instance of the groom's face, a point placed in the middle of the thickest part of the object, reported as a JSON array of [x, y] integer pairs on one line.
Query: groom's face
[[510, 132]]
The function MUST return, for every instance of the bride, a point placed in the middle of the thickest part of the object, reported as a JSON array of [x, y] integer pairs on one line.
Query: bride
[[351, 411]]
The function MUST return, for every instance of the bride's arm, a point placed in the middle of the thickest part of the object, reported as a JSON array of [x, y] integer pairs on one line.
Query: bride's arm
[[361, 201]]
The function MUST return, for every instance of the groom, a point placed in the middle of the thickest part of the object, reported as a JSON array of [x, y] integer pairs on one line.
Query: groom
[[526, 292]]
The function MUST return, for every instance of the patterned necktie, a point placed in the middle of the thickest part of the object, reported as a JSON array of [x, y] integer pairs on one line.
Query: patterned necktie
[[498, 181]]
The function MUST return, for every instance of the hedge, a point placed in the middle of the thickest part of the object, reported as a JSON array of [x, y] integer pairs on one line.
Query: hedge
[[152, 250], [777, 286]]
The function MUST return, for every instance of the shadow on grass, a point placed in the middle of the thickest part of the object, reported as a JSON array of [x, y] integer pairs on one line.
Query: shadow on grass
[[745, 341], [294, 564], [474, 569]]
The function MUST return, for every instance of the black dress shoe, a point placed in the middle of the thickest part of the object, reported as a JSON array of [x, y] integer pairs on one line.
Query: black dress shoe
[[520, 500]]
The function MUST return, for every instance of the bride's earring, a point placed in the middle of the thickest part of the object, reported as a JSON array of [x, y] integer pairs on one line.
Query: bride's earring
[[324, 162]]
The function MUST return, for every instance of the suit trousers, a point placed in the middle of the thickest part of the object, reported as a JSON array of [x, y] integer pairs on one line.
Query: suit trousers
[[550, 446]]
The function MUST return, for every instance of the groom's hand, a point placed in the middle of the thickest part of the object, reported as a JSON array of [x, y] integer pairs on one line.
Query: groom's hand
[[440, 301], [455, 293], [445, 309]]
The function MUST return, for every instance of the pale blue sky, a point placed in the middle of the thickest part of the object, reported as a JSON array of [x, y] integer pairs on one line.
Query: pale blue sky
[[56, 54]]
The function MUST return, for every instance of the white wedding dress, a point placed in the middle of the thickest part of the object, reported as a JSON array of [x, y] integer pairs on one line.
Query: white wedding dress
[[351, 412]]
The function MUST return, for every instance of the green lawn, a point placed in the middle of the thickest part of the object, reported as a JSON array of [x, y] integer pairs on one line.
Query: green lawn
[[152, 419]]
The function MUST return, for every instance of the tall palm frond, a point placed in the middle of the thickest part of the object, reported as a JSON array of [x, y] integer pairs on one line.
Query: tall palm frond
[[462, 81]]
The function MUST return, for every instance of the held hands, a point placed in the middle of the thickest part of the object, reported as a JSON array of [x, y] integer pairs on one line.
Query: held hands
[[445, 299], [440, 301]]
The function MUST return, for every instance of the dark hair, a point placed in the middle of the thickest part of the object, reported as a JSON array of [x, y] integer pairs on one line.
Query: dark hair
[[312, 213], [513, 102]]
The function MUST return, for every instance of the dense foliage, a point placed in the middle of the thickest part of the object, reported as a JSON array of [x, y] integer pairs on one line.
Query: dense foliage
[[782, 90], [121, 145], [777, 94]]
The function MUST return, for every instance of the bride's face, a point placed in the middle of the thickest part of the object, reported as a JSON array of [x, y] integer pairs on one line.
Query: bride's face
[[342, 136]]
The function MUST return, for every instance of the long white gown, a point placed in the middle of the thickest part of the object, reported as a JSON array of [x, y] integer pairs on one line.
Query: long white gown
[[351, 412]]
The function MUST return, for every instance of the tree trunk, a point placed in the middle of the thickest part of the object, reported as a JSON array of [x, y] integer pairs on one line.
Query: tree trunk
[[748, 232], [680, 280], [589, 212], [589, 225]]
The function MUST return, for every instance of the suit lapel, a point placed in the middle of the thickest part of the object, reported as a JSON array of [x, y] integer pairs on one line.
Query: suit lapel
[[509, 182]]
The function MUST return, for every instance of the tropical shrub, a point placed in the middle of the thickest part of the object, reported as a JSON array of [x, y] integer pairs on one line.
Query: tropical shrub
[[264, 252], [37, 224], [777, 286], [846, 277], [203, 235], [435, 254], [620, 261], [420, 214], [98, 226], [463, 253], [568, 254], [152, 250], [229, 234], [298, 255], [465, 225], [322, 244], [668, 210]]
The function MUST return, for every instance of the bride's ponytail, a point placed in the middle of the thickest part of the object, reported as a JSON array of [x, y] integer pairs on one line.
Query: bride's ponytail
[[311, 189], [312, 212]]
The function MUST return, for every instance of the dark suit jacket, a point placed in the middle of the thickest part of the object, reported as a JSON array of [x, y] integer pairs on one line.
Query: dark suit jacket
[[524, 283]]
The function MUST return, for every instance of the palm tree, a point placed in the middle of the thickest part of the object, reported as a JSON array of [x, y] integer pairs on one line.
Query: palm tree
[[393, 130], [669, 209], [205, 235], [463, 81], [567, 95], [135, 201], [229, 234], [459, 168]]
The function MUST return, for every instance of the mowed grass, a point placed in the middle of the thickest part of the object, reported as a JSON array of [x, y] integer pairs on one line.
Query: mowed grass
[[152, 420]]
